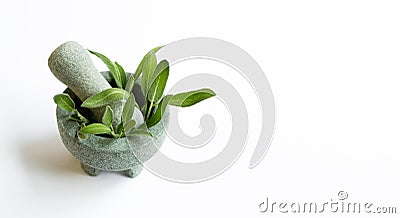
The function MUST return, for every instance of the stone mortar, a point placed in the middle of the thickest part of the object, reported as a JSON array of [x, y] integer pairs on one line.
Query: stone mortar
[[98, 153]]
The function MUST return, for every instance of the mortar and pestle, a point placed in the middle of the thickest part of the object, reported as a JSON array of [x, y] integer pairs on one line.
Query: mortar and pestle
[[71, 64]]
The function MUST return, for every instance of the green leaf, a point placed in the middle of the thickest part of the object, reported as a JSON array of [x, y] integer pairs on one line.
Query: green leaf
[[105, 97], [190, 98], [142, 126], [111, 66], [122, 74], [155, 50], [82, 136], [157, 116], [159, 80], [81, 117], [78, 117], [129, 108], [74, 117], [65, 102], [139, 70], [96, 128], [129, 125], [149, 66], [120, 127], [108, 116], [130, 83], [139, 132]]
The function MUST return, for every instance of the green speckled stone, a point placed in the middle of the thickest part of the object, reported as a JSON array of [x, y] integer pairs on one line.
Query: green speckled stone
[[109, 154]]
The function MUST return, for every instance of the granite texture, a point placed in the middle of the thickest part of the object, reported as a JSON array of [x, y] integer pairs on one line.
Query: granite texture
[[98, 153], [72, 65]]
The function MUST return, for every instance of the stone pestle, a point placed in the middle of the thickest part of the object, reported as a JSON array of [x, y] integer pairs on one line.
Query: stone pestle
[[71, 64]]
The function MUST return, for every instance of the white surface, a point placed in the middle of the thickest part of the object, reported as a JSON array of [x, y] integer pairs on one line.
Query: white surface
[[333, 67]]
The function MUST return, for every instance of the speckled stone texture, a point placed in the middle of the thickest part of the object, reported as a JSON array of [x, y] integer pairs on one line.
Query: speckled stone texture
[[72, 65], [98, 153]]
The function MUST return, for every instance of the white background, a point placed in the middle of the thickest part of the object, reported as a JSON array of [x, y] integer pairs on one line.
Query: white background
[[333, 67]]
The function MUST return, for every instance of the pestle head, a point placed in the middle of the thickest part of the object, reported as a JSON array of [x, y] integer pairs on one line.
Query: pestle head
[[71, 64]]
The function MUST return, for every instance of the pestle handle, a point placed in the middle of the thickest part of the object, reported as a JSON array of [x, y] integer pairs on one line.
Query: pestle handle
[[71, 64]]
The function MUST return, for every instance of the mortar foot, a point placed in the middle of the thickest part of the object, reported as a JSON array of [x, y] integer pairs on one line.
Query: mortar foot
[[133, 172], [90, 170]]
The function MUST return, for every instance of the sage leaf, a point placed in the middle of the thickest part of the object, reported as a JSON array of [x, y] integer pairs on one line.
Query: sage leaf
[[127, 111], [129, 125], [142, 126], [122, 74], [65, 102], [157, 116], [155, 50], [82, 136], [140, 67], [96, 128], [190, 98], [111, 66], [108, 116], [119, 129], [139, 132], [159, 80], [149, 66], [105, 97], [130, 83]]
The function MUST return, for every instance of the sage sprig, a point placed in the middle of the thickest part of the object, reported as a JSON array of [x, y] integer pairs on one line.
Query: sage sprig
[[139, 69], [149, 66], [107, 117], [154, 78], [105, 97], [65, 102], [187, 99], [154, 94], [116, 70], [96, 128], [153, 120], [129, 109], [159, 80]]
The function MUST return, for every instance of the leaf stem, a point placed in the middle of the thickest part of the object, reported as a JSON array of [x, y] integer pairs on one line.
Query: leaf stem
[[81, 117], [144, 109]]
